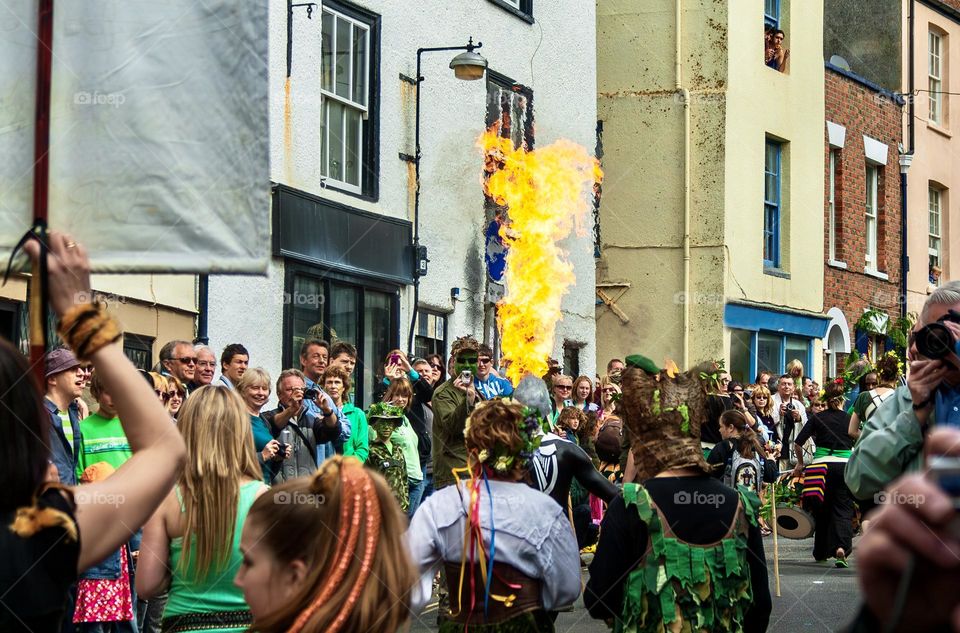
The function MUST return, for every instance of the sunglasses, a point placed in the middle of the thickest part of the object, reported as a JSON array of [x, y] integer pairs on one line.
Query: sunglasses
[[162, 394], [178, 393], [437, 367], [564, 387], [484, 361], [188, 360]]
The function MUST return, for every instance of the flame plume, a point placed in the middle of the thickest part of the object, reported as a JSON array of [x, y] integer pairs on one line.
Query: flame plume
[[545, 191]]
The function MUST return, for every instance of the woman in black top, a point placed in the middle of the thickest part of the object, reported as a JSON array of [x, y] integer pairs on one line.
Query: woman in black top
[[50, 533], [834, 510]]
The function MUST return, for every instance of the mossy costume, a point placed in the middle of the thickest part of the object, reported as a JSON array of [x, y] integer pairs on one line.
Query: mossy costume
[[679, 586]]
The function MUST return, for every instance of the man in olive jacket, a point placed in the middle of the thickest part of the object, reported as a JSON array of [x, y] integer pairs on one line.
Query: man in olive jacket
[[892, 439], [452, 403]]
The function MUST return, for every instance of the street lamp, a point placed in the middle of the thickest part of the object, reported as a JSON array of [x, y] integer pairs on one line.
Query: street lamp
[[467, 66]]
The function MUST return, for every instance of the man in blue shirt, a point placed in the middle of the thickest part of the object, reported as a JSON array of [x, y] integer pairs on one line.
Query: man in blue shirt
[[64, 386], [486, 382], [314, 354]]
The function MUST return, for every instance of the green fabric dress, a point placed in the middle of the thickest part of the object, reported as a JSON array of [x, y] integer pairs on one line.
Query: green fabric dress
[[216, 593], [680, 586]]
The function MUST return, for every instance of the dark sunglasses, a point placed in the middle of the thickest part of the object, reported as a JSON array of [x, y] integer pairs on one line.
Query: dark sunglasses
[[437, 367], [484, 361], [564, 387], [162, 394], [187, 360]]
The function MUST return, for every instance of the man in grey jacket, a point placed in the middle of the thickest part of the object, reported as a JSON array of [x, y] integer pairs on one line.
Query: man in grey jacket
[[892, 439], [293, 424]]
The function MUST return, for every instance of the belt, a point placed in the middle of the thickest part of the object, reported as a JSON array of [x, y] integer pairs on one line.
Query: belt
[[832, 452], [517, 592], [206, 621]]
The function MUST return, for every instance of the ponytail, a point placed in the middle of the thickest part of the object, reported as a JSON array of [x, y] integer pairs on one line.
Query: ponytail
[[747, 441]]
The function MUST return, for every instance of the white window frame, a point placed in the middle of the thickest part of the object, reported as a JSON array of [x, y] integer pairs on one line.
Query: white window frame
[[872, 182], [331, 95], [834, 155], [934, 228], [935, 76]]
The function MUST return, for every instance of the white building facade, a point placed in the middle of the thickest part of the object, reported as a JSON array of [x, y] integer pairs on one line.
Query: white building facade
[[342, 143]]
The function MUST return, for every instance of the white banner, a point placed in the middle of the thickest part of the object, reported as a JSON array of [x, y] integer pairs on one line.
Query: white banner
[[159, 141]]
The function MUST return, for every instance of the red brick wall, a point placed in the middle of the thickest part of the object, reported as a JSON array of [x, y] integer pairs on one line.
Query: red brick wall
[[861, 111]]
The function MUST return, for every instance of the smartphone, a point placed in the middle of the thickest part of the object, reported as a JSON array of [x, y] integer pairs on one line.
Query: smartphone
[[466, 376], [395, 359]]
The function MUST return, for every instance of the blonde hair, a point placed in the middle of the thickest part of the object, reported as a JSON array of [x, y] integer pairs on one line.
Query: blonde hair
[[254, 377], [762, 390], [217, 432], [795, 369], [159, 381], [348, 529]]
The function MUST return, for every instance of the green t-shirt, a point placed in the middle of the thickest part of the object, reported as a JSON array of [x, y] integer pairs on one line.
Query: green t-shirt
[[406, 438], [104, 441], [359, 443]]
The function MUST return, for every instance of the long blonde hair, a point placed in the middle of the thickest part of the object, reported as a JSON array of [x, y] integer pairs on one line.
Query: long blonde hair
[[216, 429], [761, 390], [348, 529]]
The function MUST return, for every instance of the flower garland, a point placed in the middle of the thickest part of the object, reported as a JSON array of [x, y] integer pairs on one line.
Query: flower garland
[[384, 410], [530, 428]]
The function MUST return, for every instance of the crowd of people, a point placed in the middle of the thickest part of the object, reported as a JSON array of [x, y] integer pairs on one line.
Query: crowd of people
[[197, 508]]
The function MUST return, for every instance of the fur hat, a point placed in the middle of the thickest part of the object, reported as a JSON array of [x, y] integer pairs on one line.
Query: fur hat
[[664, 415]]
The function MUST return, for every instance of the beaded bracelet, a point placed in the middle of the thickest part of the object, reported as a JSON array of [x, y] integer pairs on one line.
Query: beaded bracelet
[[87, 327]]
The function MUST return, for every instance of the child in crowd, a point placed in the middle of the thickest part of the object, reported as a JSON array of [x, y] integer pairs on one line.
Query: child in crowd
[[104, 592], [386, 455], [569, 421], [400, 394]]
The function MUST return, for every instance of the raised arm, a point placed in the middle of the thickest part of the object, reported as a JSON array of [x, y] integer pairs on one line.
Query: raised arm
[[109, 512]]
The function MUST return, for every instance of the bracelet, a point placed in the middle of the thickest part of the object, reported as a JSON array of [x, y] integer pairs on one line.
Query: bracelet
[[919, 406], [87, 327]]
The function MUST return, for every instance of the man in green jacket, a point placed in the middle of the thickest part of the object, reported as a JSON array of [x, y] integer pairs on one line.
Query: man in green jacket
[[452, 403], [892, 439]]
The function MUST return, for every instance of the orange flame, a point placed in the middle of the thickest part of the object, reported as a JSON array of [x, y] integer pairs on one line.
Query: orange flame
[[545, 191]]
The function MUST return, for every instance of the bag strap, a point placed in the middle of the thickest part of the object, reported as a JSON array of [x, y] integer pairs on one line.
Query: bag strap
[[313, 448]]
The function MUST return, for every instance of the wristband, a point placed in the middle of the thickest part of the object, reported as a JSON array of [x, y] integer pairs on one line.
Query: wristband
[[919, 406]]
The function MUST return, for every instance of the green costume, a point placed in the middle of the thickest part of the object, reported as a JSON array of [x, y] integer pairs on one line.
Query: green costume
[[386, 457], [679, 586]]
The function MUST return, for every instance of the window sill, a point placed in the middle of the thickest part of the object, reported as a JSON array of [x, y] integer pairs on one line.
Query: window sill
[[348, 190], [942, 131], [776, 272], [526, 17], [837, 264], [876, 273]]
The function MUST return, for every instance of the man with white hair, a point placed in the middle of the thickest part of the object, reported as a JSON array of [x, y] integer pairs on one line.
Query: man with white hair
[[892, 439], [206, 367]]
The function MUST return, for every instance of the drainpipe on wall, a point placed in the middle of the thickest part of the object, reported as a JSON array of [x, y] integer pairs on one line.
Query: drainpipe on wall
[[685, 95], [905, 160]]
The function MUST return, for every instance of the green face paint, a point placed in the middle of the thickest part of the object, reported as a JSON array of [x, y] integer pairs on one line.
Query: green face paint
[[466, 361]]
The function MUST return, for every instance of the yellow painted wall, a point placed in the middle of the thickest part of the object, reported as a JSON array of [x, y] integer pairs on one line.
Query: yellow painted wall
[[641, 213], [936, 157], [735, 100]]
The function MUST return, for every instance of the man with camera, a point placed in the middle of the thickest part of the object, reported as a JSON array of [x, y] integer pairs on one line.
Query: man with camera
[[313, 361], [892, 439], [788, 410], [294, 426], [452, 403]]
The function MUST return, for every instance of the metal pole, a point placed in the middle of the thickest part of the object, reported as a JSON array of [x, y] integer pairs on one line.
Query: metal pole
[[203, 292], [416, 190]]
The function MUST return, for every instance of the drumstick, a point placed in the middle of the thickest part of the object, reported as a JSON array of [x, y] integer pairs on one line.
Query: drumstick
[[776, 550]]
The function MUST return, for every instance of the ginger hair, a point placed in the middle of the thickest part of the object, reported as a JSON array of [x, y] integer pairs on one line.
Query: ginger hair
[[347, 528]]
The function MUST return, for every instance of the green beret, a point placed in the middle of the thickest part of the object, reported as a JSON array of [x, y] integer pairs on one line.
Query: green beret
[[642, 362]]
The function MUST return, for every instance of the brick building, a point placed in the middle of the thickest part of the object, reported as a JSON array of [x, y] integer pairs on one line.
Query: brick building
[[862, 210]]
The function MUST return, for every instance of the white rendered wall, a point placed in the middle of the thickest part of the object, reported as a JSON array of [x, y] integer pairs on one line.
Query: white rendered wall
[[562, 74]]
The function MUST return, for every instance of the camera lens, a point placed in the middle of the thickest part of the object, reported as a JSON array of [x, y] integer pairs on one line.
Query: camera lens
[[934, 341]]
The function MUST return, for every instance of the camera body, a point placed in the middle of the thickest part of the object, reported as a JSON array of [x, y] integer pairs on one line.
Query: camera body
[[945, 472], [935, 341], [310, 394], [466, 376]]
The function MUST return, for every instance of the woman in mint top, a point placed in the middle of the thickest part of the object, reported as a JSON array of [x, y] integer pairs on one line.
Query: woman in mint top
[[254, 388], [196, 531], [336, 382]]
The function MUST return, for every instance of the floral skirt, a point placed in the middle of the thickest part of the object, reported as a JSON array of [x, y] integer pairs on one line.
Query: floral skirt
[[105, 600]]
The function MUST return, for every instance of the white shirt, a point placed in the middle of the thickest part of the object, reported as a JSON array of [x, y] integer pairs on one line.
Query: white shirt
[[777, 400], [533, 536]]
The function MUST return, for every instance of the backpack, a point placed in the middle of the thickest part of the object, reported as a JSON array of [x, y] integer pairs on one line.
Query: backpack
[[743, 472], [608, 440]]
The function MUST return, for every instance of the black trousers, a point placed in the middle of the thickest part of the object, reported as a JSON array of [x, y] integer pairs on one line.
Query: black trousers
[[835, 516]]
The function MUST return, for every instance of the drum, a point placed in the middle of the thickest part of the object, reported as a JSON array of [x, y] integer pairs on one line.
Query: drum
[[794, 522]]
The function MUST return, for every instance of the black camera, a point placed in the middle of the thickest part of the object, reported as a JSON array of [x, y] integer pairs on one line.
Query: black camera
[[310, 394], [935, 341], [281, 452]]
